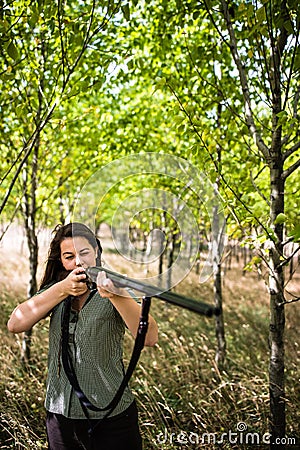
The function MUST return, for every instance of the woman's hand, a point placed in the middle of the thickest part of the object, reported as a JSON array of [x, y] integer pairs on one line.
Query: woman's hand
[[106, 287], [74, 284]]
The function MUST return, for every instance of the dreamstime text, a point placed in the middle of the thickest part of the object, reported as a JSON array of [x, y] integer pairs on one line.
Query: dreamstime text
[[238, 436]]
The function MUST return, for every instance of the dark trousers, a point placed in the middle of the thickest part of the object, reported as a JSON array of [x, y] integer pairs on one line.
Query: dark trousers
[[120, 432]]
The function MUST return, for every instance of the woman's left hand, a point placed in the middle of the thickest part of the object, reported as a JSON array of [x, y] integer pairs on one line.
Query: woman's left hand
[[106, 287]]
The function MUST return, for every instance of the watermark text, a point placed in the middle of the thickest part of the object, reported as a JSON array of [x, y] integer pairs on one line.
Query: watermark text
[[238, 436]]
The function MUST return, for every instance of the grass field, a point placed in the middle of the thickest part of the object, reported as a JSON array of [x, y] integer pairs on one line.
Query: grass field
[[184, 400]]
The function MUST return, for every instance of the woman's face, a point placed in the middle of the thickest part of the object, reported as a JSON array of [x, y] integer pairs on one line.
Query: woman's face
[[77, 252]]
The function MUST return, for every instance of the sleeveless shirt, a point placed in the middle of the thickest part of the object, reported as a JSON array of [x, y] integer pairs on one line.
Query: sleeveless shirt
[[96, 336]]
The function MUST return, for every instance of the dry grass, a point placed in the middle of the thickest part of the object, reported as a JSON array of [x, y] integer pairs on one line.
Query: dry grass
[[178, 387]]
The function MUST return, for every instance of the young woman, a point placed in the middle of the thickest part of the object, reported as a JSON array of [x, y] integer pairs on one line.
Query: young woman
[[96, 323]]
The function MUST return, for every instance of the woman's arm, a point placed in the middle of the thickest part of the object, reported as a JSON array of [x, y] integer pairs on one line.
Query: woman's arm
[[127, 308], [28, 313]]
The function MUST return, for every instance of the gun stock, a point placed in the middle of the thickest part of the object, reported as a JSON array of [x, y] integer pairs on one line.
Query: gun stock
[[154, 291]]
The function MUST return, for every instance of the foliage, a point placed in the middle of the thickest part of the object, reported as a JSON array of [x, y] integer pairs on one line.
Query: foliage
[[51, 53], [190, 60], [157, 78]]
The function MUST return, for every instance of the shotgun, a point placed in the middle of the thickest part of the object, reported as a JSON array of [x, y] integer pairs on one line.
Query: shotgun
[[153, 291]]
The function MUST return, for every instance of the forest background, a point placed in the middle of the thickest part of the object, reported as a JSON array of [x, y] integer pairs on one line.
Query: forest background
[[142, 88]]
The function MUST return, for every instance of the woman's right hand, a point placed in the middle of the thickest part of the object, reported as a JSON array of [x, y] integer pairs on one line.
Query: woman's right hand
[[74, 284]]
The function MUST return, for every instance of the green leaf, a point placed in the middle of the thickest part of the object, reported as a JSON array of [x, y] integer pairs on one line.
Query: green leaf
[[282, 118], [295, 233], [7, 76], [126, 11], [261, 14], [130, 64], [281, 218], [12, 51], [34, 17], [288, 26], [4, 25]]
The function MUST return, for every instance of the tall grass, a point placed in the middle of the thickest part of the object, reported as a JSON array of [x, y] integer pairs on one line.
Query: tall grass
[[184, 400]]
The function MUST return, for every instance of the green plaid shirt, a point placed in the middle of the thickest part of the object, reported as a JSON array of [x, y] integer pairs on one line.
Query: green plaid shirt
[[96, 342]]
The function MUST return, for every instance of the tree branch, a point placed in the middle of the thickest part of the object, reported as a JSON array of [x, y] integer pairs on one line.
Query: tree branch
[[244, 82], [286, 173], [287, 302], [10, 220], [291, 151], [287, 260], [208, 10], [33, 138], [296, 101], [287, 17], [257, 188], [64, 59]]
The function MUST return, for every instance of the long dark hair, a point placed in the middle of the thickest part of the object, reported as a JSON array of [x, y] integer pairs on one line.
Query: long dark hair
[[54, 270]]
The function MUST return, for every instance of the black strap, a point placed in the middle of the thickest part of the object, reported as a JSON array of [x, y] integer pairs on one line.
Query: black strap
[[69, 369]]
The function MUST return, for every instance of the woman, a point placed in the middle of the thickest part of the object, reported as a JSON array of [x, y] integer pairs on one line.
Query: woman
[[95, 324]]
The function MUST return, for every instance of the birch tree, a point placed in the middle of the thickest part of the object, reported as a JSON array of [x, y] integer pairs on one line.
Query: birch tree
[[275, 46]]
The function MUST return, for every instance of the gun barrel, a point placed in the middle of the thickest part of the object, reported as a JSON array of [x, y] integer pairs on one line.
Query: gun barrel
[[154, 291]]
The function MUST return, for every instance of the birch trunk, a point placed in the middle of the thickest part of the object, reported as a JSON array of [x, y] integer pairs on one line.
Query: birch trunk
[[217, 283], [217, 249], [29, 213], [276, 275], [277, 313], [274, 159]]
